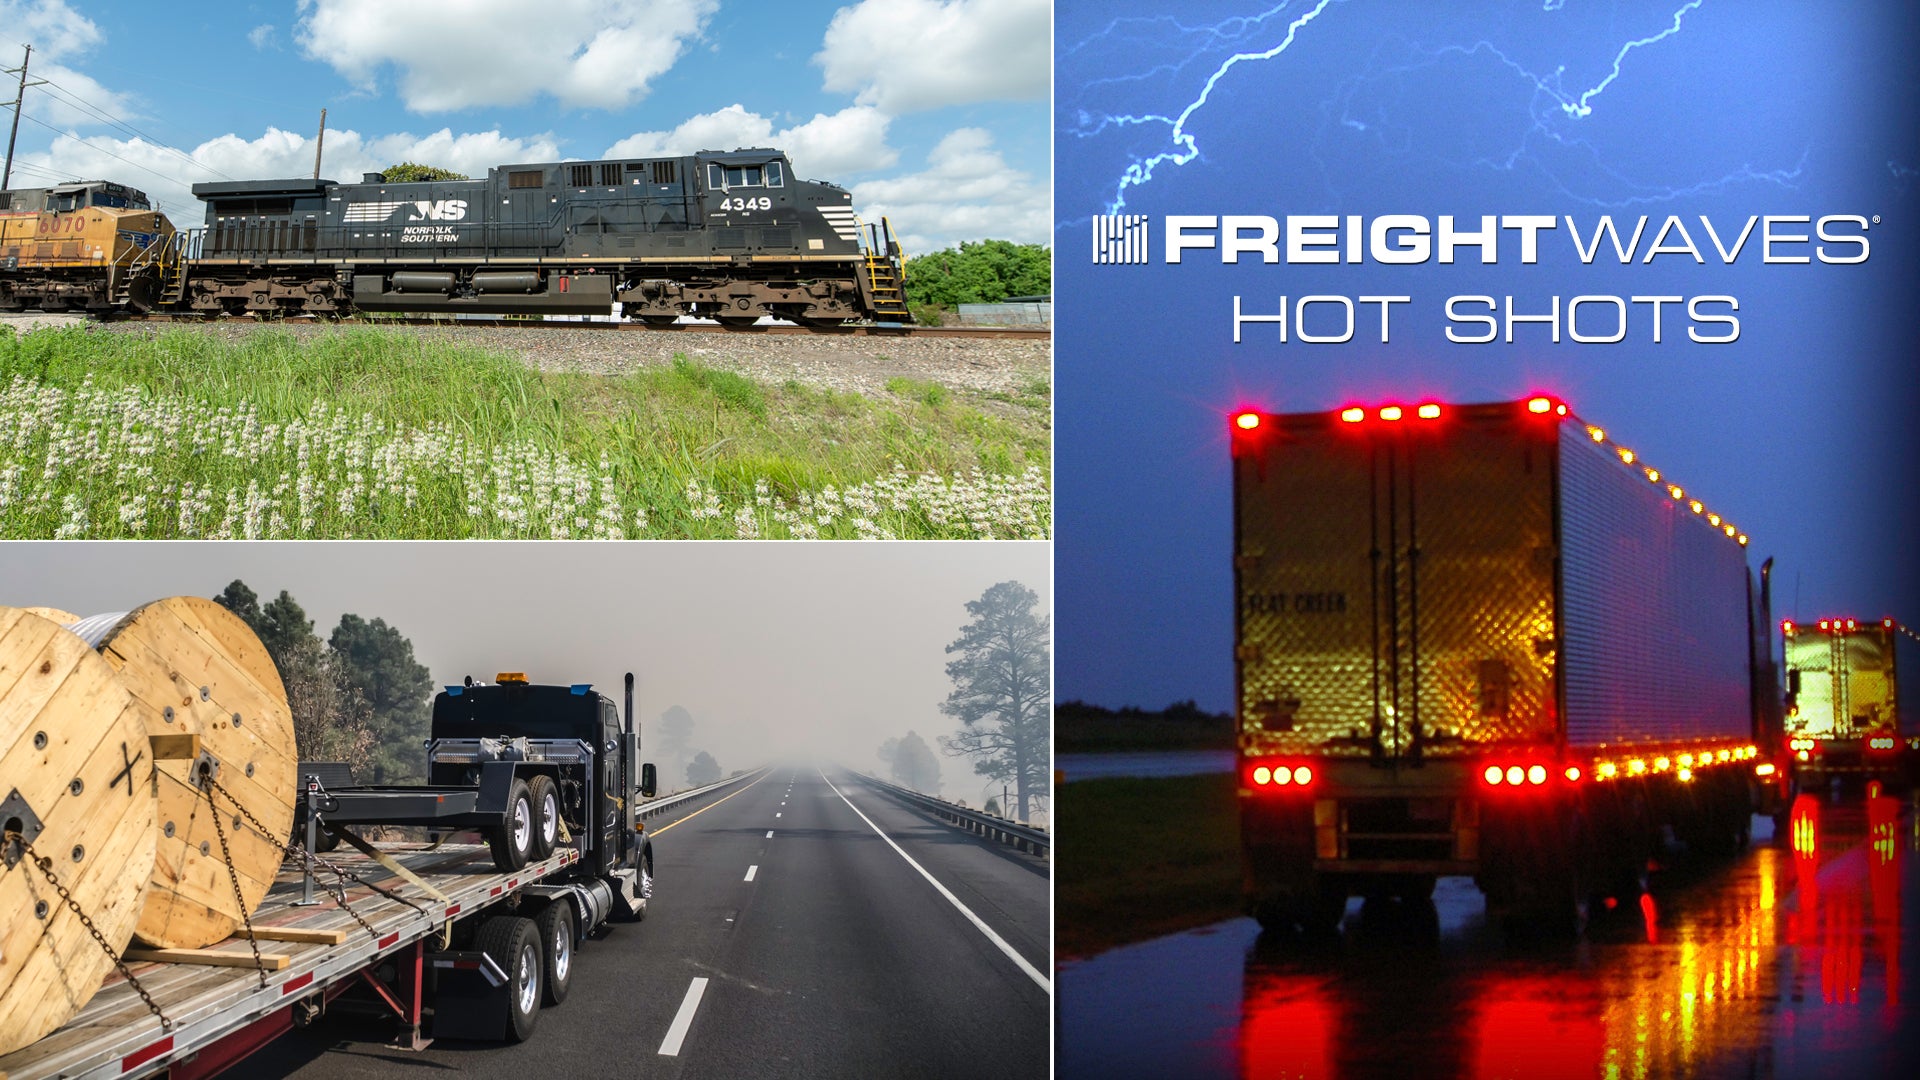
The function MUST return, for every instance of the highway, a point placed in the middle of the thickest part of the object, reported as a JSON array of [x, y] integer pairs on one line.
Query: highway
[[786, 937], [1787, 961]]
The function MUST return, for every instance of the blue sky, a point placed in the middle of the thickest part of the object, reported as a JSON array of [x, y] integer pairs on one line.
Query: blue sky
[[1802, 431], [933, 111]]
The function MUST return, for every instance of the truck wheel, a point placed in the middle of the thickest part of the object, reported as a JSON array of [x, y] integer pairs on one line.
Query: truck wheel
[[514, 944], [555, 924], [512, 839], [545, 796]]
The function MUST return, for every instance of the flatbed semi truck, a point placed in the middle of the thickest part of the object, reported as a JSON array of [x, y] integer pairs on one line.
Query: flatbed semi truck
[[453, 939], [1484, 640]]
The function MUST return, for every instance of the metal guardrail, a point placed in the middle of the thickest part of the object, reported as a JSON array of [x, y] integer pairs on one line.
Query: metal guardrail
[[1024, 837], [668, 802]]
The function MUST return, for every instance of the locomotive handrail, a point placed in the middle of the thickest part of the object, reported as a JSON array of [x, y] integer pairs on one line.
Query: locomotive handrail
[[1024, 837]]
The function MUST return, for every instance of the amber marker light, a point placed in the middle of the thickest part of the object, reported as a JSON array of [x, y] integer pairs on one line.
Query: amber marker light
[[1765, 768]]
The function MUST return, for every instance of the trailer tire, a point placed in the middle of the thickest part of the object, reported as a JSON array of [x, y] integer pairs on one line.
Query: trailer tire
[[512, 839], [555, 924], [514, 944], [544, 795]]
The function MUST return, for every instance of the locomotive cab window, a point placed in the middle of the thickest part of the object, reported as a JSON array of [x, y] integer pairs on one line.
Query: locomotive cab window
[[732, 176]]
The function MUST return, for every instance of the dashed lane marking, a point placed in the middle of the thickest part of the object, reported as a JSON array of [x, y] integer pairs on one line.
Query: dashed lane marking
[[682, 1020], [752, 870]]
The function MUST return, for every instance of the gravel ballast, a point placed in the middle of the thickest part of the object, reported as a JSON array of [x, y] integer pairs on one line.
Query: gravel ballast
[[846, 363]]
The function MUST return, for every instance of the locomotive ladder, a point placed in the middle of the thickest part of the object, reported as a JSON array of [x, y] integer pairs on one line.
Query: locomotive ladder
[[884, 274]]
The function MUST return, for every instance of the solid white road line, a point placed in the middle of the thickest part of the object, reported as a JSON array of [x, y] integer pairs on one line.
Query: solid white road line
[[1032, 973], [682, 1020], [752, 870]]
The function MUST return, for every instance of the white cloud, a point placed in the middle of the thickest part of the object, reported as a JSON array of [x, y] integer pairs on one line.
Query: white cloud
[[967, 192], [909, 55], [262, 36], [590, 53], [827, 147], [50, 26], [276, 154]]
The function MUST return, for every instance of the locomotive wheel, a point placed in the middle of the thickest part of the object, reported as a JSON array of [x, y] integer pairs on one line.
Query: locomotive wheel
[[659, 320], [737, 322]]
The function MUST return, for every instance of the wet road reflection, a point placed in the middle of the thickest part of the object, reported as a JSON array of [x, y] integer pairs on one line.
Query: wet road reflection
[[1785, 962]]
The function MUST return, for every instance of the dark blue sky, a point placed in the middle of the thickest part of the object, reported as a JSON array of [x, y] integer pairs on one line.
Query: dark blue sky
[[1803, 432]]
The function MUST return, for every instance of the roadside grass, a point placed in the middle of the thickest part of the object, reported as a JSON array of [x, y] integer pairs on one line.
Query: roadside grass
[[1147, 857], [365, 432]]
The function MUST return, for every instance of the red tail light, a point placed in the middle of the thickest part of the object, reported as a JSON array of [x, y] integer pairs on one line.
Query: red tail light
[[1279, 775], [1391, 412], [1528, 774], [1247, 421], [1353, 415]]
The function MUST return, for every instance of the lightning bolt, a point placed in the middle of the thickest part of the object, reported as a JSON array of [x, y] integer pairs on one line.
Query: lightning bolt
[[1141, 172], [1551, 108], [1581, 108]]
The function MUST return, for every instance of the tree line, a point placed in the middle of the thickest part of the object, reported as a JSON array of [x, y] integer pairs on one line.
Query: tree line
[[1000, 696]]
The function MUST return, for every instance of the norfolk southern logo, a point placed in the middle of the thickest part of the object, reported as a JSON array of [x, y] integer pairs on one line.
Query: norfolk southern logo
[[442, 210], [1120, 238]]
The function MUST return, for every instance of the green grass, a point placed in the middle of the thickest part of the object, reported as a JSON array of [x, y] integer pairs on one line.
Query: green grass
[[758, 449], [1143, 857]]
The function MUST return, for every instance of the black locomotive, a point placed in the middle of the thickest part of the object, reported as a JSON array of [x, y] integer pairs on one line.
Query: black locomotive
[[729, 236]]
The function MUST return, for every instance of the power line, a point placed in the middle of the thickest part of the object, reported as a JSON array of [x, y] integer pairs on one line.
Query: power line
[[109, 153], [69, 97]]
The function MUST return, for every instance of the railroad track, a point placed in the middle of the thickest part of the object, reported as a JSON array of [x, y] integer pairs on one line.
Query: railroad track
[[982, 333]]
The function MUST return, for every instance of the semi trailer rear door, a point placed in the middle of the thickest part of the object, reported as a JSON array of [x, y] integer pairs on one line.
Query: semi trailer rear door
[[1395, 581]]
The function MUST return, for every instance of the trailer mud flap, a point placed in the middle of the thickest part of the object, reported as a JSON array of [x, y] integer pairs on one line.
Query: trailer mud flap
[[472, 997]]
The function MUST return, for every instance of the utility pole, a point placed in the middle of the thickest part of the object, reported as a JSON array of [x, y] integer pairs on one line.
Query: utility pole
[[6, 177], [319, 144]]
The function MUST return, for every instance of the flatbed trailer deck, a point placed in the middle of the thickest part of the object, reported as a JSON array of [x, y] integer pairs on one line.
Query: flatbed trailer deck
[[220, 1014]]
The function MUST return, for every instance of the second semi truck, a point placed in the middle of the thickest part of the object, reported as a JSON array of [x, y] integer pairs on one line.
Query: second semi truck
[[1484, 640]]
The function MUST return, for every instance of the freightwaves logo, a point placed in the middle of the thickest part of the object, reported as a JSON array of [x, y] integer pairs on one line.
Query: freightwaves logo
[[441, 210], [1120, 238], [1392, 240]]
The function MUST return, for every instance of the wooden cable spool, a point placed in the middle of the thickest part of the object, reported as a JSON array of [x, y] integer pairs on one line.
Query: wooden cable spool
[[210, 698], [75, 777], [53, 614]]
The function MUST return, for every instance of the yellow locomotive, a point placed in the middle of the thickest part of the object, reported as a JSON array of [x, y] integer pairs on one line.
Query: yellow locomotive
[[94, 245]]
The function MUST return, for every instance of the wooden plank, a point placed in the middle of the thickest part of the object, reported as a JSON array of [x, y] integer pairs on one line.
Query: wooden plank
[[174, 747], [209, 957], [288, 933]]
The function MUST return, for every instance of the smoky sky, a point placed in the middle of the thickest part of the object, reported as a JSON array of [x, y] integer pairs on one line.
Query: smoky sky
[[775, 649], [1802, 431]]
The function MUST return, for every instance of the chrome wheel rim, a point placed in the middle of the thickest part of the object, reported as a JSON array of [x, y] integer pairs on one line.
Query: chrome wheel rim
[[529, 977]]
